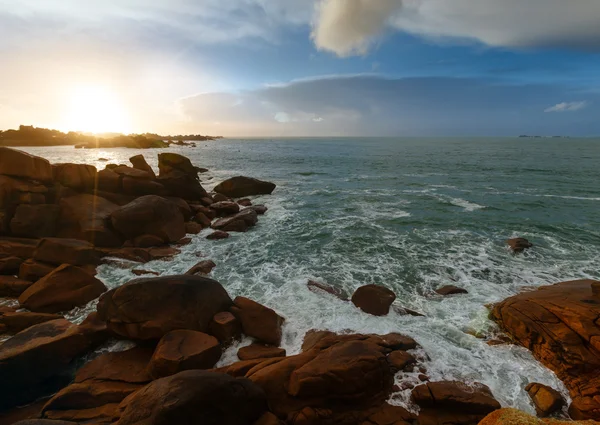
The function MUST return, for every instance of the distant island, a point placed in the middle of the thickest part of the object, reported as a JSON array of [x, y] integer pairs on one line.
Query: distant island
[[543, 137], [33, 136]]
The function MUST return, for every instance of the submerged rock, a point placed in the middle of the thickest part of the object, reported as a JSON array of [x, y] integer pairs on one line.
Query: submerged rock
[[519, 244], [451, 290], [239, 187], [373, 299], [217, 235], [318, 287]]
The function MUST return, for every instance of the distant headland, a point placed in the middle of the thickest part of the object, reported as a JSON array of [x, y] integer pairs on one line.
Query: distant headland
[[34, 136]]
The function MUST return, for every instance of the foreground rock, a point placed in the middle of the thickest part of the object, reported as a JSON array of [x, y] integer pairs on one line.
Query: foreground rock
[[11, 286], [15, 322], [148, 308], [20, 164], [193, 397], [258, 321], [259, 351], [66, 251], [373, 299], [239, 187], [559, 324], [516, 417], [545, 399]]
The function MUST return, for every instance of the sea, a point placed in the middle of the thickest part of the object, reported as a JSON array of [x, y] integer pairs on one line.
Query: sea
[[411, 214]]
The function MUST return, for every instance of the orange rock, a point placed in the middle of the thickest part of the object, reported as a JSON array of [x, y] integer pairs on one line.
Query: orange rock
[[373, 299], [258, 321]]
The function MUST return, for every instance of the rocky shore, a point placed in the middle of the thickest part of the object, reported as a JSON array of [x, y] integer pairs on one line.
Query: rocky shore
[[58, 222]]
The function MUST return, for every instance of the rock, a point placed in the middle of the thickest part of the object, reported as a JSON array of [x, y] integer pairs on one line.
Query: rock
[[225, 327], [183, 206], [109, 181], [312, 337], [245, 202], [211, 214], [138, 272], [142, 186], [192, 228], [403, 311], [139, 162], [11, 286], [260, 351], [66, 251], [43, 422], [558, 323], [202, 220], [20, 164], [33, 271], [129, 366], [10, 265], [217, 235], [396, 341], [148, 308], [79, 177], [451, 290], [317, 288], [15, 322], [87, 217], [63, 289], [545, 399], [258, 321], [516, 417], [187, 396], [14, 191], [151, 215], [596, 288], [373, 299], [17, 247], [181, 350], [225, 208], [217, 197], [268, 419], [148, 241], [259, 209], [134, 173], [180, 177], [169, 162], [453, 402], [202, 268], [40, 352], [35, 221], [519, 244], [401, 360], [238, 222], [239, 187]]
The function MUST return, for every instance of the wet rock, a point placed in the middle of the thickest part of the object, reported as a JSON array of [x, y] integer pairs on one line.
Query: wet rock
[[225, 208], [403, 311], [149, 215], [558, 323], [259, 209], [258, 321], [138, 272], [373, 299], [312, 337], [148, 308], [239, 222], [180, 177], [545, 399], [15, 322], [11, 286], [239, 187], [33, 271], [519, 244], [20, 164], [202, 268], [35, 221], [148, 241], [218, 234], [192, 228], [211, 214], [79, 177], [260, 351], [183, 398], [451, 290], [218, 197], [317, 288], [66, 251], [184, 207], [396, 341], [181, 350], [139, 162], [401, 360], [202, 220], [63, 289], [225, 327], [10, 265], [245, 202], [453, 402]]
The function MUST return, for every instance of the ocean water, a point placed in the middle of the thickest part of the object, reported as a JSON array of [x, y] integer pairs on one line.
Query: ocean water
[[409, 214]]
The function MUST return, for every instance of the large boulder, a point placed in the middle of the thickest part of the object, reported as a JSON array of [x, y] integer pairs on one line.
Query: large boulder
[[10, 265], [63, 289], [15, 322], [87, 217], [239, 222], [139, 162], [545, 399], [516, 417], [373, 299], [260, 351], [225, 327], [170, 162], [192, 396], [79, 177], [150, 215], [180, 177], [66, 251], [239, 187], [108, 181], [17, 247], [448, 402], [559, 324], [148, 308], [20, 164], [29, 359], [35, 221], [258, 321], [11, 286], [14, 191]]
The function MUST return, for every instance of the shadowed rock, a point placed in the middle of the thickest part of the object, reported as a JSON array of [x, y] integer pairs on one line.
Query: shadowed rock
[[20, 164], [258, 321], [239, 187], [373, 299]]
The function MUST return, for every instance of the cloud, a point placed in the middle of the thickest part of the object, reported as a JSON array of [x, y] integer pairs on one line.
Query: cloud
[[350, 26], [567, 106]]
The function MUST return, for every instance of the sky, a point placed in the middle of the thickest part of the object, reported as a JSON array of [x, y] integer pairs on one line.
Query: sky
[[284, 68]]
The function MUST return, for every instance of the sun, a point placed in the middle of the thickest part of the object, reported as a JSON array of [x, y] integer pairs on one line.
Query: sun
[[96, 109]]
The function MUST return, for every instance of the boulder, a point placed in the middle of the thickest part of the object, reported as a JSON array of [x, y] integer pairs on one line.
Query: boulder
[[401, 360], [211, 214], [142, 186], [192, 228], [259, 209], [545, 399], [66, 251], [225, 327], [245, 202], [181, 350], [239, 187], [17, 247], [148, 308], [79, 177], [448, 402], [373, 299], [10, 265], [170, 162], [313, 336], [451, 290], [148, 241], [108, 181], [320, 288], [183, 206], [239, 222], [87, 217], [180, 177], [33, 271], [202, 268], [29, 359], [63, 289], [218, 235], [516, 417], [519, 244], [183, 398], [35, 221], [139, 162], [15, 322], [217, 197], [202, 220], [20, 164], [260, 351], [225, 208], [258, 321], [134, 173], [14, 191], [11, 286], [149, 215], [559, 324]]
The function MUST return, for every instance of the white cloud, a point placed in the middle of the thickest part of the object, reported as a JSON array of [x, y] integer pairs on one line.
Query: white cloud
[[567, 106]]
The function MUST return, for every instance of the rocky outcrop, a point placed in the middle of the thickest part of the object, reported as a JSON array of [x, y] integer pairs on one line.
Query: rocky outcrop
[[139, 162], [33, 271], [239, 187], [63, 289], [516, 417], [318, 287], [35, 221], [9, 266], [260, 351], [15, 322], [180, 177], [79, 177], [373, 299], [187, 396], [148, 308], [66, 251], [239, 222], [559, 324], [258, 321], [545, 399], [16, 163], [11, 286]]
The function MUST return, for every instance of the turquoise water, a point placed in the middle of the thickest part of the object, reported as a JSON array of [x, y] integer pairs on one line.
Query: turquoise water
[[410, 214]]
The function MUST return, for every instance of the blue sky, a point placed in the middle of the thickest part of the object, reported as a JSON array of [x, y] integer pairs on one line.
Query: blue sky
[[303, 67]]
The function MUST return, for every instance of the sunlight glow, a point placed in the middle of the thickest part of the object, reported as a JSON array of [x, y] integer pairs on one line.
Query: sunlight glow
[[96, 109]]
